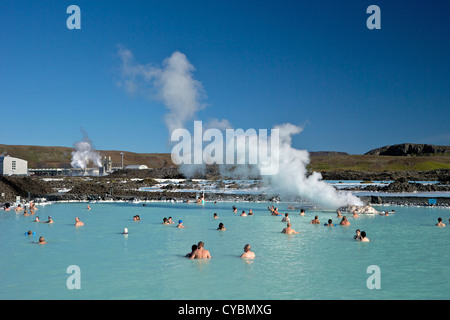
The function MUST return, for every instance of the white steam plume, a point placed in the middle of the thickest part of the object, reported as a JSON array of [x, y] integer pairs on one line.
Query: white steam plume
[[292, 176], [173, 84], [84, 154]]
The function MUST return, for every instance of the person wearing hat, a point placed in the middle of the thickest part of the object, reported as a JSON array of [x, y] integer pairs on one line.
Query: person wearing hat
[[180, 224], [125, 231]]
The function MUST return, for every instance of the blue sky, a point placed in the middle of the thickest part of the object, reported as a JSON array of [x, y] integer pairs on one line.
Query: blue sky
[[260, 63]]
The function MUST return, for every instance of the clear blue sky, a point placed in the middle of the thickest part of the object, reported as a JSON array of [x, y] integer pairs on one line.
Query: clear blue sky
[[261, 63]]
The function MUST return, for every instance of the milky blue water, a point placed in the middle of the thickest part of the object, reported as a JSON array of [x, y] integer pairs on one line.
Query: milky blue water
[[319, 263]]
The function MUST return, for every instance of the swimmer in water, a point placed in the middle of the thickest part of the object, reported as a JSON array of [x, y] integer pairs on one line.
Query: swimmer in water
[[248, 254], [42, 240], [50, 220], [165, 221], [330, 223], [344, 221], [88, 207], [37, 219], [440, 223], [355, 215], [302, 212], [338, 214], [169, 220], [286, 218], [363, 237], [125, 231], [243, 214], [288, 229], [221, 227], [215, 216], [78, 223], [193, 248], [250, 212], [200, 253], [316, 220], [357, 236], [180, 224]]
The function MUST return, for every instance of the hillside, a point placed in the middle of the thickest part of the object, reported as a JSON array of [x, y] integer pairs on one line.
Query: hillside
[[410, 149], [60, 157]]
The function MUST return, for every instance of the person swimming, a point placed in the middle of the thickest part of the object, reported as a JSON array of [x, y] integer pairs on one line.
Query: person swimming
[[125, 231], [200, 252], [248, 254], [344, 221], [315, 220], [440, 223], [193, 248], [302, 212], [50, 220], [221, 227], [215, 216], [286, 218], [330, 223], [364, 237], [78, 223], [250, 212], [180, 224], [165, 221], [243, 214], [288, 229], [357, 236], [42, 240]]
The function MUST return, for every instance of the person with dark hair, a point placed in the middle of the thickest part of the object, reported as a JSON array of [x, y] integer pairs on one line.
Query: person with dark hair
[[357, 236], [364, 237], [330, 223], [316, 220], [221, 227], [440, 223], [193, 248]]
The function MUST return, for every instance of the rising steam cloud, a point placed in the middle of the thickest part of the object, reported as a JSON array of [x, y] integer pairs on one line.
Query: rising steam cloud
[[84, 154], [175, 86]]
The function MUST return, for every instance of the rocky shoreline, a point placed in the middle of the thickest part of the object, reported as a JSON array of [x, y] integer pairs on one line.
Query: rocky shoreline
[[124, 186]]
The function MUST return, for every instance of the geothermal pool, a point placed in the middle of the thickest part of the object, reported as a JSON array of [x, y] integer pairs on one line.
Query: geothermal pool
[[148, 263]]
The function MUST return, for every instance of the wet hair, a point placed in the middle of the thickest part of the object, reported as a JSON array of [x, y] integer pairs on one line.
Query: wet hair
[[220, 226], [201, 244], [363, 234], [330, 221], [439, 219], [247, 247], [194, 247]]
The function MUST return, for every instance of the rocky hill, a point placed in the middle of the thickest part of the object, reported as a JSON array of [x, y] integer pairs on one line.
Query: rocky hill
[[409, 149]]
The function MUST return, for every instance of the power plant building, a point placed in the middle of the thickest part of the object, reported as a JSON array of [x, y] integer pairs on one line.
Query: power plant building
[[13, 166]]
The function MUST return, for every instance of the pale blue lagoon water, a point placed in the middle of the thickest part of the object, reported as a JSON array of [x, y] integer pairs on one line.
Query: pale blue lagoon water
[[149, 263]]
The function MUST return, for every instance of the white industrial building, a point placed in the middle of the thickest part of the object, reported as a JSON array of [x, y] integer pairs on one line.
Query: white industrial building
[[13, 166]]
